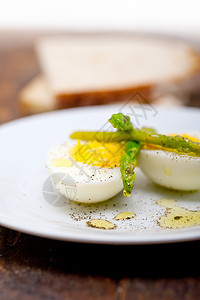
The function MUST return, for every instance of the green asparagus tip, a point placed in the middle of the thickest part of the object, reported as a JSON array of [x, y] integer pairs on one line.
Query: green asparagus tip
[[121, 122]]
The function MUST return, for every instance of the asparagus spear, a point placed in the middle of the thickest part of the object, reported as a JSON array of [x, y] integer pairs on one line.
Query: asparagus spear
[[128, 161], [179, 143], [128, 164]]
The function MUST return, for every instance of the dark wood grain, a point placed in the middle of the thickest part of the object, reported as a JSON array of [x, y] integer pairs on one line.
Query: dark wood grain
[[37, 268], [17, 66]]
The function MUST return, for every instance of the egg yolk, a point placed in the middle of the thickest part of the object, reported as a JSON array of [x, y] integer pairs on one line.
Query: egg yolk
[[105, 155]]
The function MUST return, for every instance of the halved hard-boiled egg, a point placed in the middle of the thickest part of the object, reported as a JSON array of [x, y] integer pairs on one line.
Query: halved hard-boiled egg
[[171, 169], [86, 172]]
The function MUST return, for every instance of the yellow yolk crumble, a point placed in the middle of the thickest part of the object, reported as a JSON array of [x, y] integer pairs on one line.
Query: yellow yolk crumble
[[106, 155]]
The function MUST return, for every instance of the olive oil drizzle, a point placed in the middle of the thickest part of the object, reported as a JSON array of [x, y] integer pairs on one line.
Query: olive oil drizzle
[[101, 224], [125, 215], [177, 216]]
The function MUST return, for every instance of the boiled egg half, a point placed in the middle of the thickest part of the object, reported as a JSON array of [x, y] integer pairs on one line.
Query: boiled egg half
[[86, 172], [171, 169]]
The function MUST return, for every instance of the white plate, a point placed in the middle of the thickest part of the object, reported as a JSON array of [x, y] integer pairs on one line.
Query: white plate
[[23, 206]]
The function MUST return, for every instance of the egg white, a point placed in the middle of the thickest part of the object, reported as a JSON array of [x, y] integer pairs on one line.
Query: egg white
[[80, 182], [171, 170]]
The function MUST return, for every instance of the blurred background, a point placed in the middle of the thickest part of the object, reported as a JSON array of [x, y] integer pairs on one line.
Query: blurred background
[[33, 79], [173, 17]]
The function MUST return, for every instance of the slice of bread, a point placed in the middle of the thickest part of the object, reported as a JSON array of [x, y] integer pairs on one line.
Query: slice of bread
[[35, 97], [97, 70]]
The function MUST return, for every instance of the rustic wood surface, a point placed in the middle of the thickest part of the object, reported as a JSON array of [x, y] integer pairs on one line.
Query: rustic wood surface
[[37, 268]]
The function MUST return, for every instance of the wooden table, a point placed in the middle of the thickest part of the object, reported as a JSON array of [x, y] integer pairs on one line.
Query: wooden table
[[38, 268]]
